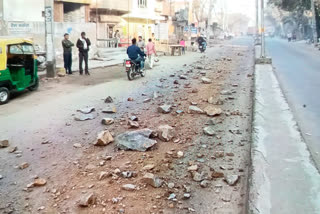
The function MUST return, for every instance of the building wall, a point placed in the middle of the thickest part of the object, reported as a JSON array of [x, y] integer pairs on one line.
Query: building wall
[[19, 10]]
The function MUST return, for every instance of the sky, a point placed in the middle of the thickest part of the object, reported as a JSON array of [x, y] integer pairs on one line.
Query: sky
[[246, 7]]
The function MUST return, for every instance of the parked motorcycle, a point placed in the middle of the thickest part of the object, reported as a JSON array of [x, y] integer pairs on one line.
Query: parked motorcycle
[[202, 47], [133, 69]]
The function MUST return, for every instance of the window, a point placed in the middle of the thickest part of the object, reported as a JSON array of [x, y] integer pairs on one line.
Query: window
[[21, 49], [142, 3]]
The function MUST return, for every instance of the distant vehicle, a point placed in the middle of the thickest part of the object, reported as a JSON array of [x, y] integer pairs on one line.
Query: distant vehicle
[[18, 67], [202, 47]]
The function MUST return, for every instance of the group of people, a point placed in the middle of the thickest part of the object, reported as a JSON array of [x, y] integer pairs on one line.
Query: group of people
[[83, 45]]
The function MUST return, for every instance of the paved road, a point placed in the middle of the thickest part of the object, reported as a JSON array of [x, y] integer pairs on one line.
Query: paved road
[[297, 66]]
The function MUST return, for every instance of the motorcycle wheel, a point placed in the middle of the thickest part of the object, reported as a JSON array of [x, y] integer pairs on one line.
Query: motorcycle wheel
[[130, 74], [143, 73]]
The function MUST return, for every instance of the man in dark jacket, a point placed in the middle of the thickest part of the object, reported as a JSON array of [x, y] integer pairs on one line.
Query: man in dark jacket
[[135, 53], [83, 45], [67, 53]]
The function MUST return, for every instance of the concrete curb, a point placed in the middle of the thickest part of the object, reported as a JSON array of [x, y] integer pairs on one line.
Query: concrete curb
[[283, 178]]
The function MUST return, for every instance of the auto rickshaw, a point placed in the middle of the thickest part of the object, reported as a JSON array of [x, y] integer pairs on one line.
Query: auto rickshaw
[[18, 67]]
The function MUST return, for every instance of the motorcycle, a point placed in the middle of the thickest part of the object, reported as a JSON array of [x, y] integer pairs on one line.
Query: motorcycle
[[202, 47], [133, 69]]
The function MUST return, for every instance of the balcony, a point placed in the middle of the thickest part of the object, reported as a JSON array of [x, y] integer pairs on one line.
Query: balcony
[[118, 5]]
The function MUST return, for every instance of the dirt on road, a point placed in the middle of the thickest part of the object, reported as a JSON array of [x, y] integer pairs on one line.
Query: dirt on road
[[201, 163]]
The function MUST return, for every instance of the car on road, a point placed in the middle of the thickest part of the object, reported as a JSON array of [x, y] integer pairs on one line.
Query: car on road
[[18, 67]]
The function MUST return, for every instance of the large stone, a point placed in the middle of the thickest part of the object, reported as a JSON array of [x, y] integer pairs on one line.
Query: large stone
[[209, 130], [104, 138], [109, 110], [166, 133], [83, 117], [136, 140], [87, 110], [212, 111], [4, 143], [183, 77], [165, 109], [206, 80], [152, 180], [232, 180], [195, 110], [107, 121], [86, 200]]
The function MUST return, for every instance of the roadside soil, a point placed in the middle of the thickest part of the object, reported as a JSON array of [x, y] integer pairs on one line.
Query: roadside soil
[[71, 173]]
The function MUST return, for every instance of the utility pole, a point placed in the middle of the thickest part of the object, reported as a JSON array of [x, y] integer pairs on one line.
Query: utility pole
[[50, 53], [257, 22], [314, 25], [263, 48]]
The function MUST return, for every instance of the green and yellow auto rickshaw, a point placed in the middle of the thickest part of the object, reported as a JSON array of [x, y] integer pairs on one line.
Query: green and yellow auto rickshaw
[[18, 67]]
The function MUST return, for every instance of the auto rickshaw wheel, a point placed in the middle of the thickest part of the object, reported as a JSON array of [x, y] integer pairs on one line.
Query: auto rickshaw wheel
[[4, 95], [35, 86]]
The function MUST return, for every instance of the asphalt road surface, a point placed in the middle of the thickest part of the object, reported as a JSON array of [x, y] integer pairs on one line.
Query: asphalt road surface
[[297, 66]]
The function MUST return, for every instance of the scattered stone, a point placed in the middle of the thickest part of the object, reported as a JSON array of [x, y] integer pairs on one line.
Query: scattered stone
[[166, 133], [212, 111], [77, 145], [219, 154], [194, 103], [133, 124], [148, 167], [130, 99], [104, 138], [152, 180], [24, 165], [204, 184], [147, 100], [165, 109], [128, 174], [195, 90], [186, 195], [203, 73], [211, 100], [200, 67], [183, 77], [108, 100], [155, 95], [179, 111], [46, 142], [86, 200], [110, 110], [107, 121], [87, 110], [217, 174], [232, 180], [226, 92], [12, 149], [4, 143], [134, 118], [129, 187], [197, 177], [195, 110], [187, 189], [230, 154], [176, 82], [38, 182], [206, 80], [172, 197], [192, 168], [170, 185], [136, 140], [1, 177], [180, 154], [209, 130], [84, 117]]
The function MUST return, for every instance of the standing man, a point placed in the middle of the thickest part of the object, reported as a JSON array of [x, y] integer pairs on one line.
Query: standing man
[[151, 52], [135, 53], [83, 45], [67, 53], [116, 38], [141, 44]]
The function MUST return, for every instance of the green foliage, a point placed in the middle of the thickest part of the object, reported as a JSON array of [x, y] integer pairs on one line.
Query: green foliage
[[292, 5]]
